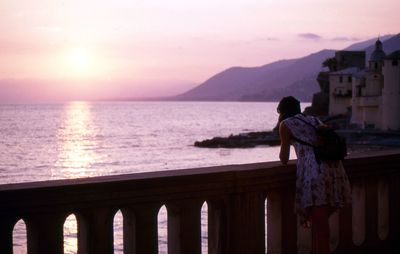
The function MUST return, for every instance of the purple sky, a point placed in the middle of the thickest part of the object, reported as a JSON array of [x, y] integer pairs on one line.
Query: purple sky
[[67, 50]]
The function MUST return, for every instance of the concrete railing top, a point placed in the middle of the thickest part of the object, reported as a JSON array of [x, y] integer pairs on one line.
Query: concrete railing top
[[216, 170], [201, 182]]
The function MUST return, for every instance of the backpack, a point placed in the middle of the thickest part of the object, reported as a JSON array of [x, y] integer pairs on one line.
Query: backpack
[[329, 146]]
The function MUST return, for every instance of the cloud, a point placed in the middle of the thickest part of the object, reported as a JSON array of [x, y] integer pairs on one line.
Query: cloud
[[271, 39], [262, 40], [345, 39], [309, 36]]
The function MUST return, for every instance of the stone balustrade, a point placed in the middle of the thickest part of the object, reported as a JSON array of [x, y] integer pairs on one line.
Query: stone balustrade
[[236, 210]]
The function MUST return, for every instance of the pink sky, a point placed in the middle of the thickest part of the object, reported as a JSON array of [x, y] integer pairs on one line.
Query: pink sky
[[62, 50]]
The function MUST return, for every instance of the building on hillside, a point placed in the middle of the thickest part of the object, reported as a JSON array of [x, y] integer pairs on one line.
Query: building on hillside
[[340, 78], [367, 87], [391, 92], [341, 90], [371, 95], [343, 62]]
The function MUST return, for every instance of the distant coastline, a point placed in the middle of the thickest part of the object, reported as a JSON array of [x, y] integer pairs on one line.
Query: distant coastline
[[357, 140], [175, 99]]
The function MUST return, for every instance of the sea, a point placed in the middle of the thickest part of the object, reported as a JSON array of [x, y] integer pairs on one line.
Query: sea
[[48, 141]]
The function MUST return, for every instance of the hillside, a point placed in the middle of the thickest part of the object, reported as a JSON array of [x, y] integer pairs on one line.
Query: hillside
[[232, 83], [272, 81], [366, 44]]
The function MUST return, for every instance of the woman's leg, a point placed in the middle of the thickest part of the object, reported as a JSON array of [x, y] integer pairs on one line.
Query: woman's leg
[[320, 230]]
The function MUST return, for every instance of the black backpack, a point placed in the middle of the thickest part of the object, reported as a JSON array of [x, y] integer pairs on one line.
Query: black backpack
[[329, 146]]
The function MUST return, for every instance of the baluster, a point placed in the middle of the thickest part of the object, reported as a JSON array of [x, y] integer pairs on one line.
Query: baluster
[[371, 216], [95, 231], [282, 222], [45, 233], [289, 221], [358, 214], [383, 209], [140, 229], [217, 226], [184, 227], [394, 211], [246, 223], [6, 234], [274, 223]]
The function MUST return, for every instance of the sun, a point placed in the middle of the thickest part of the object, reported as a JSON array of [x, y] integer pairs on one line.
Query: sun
[[83, 62], [79, 59]]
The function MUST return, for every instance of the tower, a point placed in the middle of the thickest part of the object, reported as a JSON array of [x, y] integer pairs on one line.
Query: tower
[[376, 59], [391, 92]]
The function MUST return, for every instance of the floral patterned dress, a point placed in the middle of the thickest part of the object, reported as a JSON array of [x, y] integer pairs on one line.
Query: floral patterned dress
[[316, 184]]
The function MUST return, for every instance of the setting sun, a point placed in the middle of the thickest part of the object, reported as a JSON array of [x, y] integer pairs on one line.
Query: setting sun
[[79, 59]]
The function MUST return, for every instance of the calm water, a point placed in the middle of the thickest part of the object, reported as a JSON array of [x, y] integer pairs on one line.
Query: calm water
[[83, 139], [80, 139]]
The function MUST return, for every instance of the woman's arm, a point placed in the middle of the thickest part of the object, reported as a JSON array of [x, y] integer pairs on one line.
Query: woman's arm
[[284, 134]]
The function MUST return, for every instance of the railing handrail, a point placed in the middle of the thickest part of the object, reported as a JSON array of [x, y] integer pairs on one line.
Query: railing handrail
[[218, 179]]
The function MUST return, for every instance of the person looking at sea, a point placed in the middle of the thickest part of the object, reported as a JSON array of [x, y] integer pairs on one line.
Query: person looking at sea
[[322, 187]]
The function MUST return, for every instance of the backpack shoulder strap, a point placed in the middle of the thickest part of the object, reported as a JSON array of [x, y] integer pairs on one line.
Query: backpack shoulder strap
[[302, 141], [304, 121]]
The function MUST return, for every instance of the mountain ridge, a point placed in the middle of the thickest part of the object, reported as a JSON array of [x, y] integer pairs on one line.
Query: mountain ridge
[[221, 83], [271, 81]]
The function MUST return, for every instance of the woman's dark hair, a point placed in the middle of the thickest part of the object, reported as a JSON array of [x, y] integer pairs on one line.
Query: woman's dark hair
[[288, 107]]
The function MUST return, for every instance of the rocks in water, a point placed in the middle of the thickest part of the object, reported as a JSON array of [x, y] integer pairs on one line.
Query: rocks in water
[[354, 138], [244, 140]]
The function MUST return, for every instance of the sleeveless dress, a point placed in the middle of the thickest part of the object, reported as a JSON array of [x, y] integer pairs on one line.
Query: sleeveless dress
[[316, 184]]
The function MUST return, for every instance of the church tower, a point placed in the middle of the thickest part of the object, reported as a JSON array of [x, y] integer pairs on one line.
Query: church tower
[[370, 92], [377, 57]]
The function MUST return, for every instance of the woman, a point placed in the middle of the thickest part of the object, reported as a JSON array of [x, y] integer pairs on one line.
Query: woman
[[321, 187]]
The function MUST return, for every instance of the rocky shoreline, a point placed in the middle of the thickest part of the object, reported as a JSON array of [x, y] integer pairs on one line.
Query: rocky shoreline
[[243, 140], [356, 139]]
